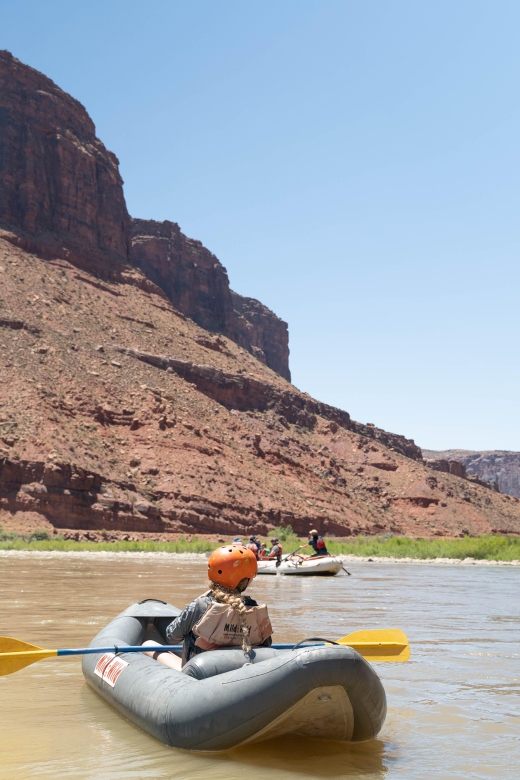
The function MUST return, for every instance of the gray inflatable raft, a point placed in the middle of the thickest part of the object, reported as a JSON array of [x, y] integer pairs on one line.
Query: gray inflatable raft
[[223, 699]]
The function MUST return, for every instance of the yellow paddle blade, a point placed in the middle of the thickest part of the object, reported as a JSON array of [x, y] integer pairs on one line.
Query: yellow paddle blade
[[382, 644], [16, 655]]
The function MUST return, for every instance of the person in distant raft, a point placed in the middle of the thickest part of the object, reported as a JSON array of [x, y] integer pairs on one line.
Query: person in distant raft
[[317, 543], [221, 617], [254, 546], [276, 550]]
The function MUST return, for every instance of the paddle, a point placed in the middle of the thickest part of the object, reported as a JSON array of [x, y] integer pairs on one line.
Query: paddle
[[388, 644], [379, 644]]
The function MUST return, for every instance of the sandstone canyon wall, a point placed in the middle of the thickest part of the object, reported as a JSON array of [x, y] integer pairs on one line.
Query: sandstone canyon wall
[[197, 284], [61, 188], [62, 196], [119, 415], [261, 332], [121, 410]]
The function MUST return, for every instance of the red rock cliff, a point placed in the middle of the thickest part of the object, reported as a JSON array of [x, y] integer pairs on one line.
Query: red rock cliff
[[190, 275], [60, 186], [197, 284], [62, 196], [263, 333]]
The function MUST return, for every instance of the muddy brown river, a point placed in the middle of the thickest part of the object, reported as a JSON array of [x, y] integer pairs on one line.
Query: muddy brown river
[[453, 709]]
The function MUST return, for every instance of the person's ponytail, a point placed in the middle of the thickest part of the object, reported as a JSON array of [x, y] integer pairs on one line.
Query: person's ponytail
[[233, 599]]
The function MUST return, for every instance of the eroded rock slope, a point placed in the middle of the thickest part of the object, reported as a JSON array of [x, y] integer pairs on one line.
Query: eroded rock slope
[[120, 414]]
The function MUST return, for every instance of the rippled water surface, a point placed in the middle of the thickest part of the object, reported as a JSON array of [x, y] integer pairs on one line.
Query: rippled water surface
[[453, 708]]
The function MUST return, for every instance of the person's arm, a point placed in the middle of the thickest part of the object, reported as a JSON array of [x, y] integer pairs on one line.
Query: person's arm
[[182, 625]]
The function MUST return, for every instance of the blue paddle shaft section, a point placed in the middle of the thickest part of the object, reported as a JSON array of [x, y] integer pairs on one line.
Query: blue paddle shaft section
[[123, 649], [151, 648]]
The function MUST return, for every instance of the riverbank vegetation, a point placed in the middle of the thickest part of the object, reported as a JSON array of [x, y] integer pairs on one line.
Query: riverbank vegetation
[[489, 547]]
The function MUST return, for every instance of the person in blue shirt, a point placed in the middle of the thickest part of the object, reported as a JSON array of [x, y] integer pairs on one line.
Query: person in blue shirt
[[317, 543]]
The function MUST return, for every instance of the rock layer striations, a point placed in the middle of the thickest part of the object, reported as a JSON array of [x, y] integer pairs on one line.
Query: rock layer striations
[[121, 416]]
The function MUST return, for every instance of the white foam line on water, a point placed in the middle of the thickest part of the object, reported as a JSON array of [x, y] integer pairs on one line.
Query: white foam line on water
[[187, 557]]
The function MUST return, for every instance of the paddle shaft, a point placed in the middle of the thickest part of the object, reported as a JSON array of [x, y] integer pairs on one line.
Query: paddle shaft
[[149, 648], [291, 553], [39, 654], [360, 646]]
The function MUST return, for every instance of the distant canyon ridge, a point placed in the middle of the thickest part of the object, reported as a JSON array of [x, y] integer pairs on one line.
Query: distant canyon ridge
[[140, 397], [499, 467]]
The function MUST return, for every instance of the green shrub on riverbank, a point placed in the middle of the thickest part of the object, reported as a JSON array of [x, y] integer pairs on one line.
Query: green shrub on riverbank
[[491, 548]]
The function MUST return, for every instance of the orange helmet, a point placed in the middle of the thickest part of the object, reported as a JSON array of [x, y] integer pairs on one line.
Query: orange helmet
[[230, 564]]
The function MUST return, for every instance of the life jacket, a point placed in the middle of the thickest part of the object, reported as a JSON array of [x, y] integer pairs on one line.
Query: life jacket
[[320, 544], [279, 553], [221, 627], [254, 548]]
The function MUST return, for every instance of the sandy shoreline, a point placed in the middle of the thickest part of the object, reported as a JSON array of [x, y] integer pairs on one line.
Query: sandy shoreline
[[187, 557]]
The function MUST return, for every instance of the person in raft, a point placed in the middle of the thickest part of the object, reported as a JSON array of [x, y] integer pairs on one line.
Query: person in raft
[[254, 546], [276, 550], [317, 543], [223, 616]]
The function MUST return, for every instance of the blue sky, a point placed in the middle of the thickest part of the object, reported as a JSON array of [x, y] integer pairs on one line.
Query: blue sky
[[354, 165]]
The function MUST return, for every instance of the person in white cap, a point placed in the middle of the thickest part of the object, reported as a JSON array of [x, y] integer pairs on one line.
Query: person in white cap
[[317, 543]]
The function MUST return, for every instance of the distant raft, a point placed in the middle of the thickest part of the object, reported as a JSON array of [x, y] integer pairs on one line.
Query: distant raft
[[300, 566], [223, 698]]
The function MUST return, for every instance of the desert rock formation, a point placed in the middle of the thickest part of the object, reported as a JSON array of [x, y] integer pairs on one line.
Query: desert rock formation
[[140, 399], [61, 189], [197, 284], [62, 196], [262, 333], [120, 414], [499, 467]]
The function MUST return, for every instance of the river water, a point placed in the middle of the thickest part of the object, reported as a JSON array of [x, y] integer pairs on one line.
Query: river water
[[454, 708]]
